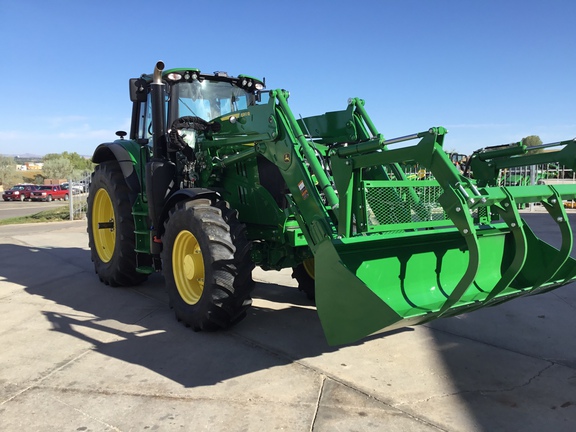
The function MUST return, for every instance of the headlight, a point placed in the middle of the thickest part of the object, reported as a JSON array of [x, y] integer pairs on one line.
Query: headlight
[[174, 76]]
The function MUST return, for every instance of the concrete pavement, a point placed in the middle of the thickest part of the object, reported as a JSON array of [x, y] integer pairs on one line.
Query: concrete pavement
[[80, 356]]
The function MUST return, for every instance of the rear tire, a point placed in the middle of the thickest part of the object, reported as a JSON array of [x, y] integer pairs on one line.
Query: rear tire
[[304, 275], [207, 264], [112, 248]]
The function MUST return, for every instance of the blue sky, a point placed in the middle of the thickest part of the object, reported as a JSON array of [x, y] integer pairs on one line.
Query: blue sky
[[491, 72]]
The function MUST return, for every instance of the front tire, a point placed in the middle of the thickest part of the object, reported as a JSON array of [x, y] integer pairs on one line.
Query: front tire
[[111, 227], [207, 265]]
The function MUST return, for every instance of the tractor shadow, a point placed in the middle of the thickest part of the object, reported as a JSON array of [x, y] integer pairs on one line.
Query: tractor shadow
[[494, 359], [137, 326]]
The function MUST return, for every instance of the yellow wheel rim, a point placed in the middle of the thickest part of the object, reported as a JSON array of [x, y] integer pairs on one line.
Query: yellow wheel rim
[[188, 267], [103, 227], [309, 266]]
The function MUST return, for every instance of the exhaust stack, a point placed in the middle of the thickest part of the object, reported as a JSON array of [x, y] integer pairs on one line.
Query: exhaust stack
[[157, 76], [160, 171], [158, 112]]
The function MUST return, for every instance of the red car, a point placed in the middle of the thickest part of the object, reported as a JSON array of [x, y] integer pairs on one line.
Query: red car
[[19, 192], [49, 193]]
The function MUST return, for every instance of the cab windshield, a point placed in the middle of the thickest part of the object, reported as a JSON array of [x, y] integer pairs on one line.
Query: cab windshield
[[207, 99]]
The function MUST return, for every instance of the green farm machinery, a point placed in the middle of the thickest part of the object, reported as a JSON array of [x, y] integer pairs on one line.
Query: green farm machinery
[[218, 176]]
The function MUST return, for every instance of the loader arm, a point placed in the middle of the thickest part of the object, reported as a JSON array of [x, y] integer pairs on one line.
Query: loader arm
[[486, 163]]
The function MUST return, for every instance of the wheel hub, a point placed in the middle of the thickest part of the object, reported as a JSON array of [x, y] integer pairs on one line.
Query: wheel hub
[[103, 225], [188, 267]]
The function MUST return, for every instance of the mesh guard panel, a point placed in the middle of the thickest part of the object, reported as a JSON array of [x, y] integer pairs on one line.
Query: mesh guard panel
[[394, 207]]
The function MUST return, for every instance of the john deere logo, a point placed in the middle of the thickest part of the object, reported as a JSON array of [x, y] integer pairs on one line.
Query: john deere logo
[[287, 157]]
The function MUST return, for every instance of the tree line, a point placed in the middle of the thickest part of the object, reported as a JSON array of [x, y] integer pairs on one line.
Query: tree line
[[55, 166]]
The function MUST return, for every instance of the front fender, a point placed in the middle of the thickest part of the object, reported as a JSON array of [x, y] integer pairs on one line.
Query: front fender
[[183, 195], [127, 154]]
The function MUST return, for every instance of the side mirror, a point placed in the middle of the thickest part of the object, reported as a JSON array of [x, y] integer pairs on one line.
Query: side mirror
[[138, 90]]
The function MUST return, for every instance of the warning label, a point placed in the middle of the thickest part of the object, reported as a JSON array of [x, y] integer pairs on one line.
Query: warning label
[[303, 189]]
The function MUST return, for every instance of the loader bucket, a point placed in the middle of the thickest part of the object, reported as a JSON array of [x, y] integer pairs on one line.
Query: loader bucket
[[406, 249], [410, 250], [367, 284]]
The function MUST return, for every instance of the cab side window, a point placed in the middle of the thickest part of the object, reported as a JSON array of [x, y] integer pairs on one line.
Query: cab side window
[[145, 123]]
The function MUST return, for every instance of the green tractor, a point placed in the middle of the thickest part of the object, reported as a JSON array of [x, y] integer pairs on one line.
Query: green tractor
[[217, 176]]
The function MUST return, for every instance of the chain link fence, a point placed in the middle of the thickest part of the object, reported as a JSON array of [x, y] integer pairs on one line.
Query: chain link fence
[[79, 192], [548, 174]]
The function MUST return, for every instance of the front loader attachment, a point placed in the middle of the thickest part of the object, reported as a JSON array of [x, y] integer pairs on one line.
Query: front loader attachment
[[407, 250]]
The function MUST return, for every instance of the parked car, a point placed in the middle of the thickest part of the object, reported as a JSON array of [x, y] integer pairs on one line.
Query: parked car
[[76, 188], [84, 183], [19, 192], [49, 193]]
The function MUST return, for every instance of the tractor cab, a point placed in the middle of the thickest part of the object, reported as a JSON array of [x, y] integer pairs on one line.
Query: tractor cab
[[189, 93], [206, 99]]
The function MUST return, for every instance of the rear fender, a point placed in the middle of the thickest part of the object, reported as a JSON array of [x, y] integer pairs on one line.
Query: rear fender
[[183, 195], [127, 156]]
